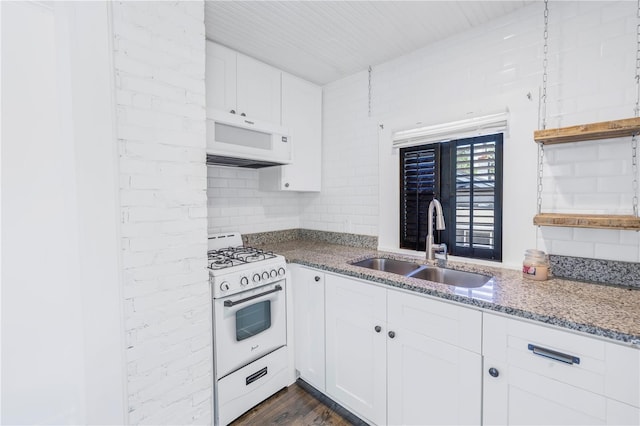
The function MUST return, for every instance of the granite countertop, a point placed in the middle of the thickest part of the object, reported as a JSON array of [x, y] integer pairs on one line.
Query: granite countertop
[[603, 310]]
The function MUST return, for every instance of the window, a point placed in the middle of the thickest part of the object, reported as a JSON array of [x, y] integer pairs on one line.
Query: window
[[466, 176], [419, 183]]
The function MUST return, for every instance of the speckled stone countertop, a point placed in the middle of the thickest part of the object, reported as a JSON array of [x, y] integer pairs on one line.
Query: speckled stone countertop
[[607, 311]]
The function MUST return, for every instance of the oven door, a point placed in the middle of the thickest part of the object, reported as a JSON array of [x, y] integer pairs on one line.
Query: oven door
[[248, 325]]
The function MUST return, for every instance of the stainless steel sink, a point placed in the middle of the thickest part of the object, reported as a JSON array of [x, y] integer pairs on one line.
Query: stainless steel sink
[[450, 277], [394, 266], [424, 272]]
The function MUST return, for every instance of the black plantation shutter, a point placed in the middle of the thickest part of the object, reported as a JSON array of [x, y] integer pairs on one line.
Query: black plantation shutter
[[418, 185], [478, 197]]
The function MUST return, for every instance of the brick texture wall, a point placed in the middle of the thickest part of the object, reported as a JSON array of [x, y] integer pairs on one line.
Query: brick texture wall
[[159, 58]]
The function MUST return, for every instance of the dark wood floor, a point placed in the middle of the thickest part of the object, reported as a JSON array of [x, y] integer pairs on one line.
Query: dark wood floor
[[297, 405]]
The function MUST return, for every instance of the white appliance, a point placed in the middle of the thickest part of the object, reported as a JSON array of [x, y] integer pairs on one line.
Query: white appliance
[[248, 286], [235, 140]]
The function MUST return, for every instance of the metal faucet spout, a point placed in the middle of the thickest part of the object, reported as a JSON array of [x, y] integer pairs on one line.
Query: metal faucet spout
[[431, 247]]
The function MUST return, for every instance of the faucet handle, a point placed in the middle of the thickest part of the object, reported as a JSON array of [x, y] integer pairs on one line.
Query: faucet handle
[[441, 256], [441, 251]]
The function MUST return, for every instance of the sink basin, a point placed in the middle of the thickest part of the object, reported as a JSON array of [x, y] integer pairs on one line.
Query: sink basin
[[394, 266], [423, 272], [450, 277]]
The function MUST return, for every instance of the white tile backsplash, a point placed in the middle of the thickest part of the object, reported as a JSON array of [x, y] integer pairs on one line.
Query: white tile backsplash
[[235, 203]]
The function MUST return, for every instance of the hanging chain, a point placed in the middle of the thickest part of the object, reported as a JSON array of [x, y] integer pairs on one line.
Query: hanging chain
[[543, 99], [634, 171], [540, 175], [637, 108], [369, 110], [545, 63], [634, 137]]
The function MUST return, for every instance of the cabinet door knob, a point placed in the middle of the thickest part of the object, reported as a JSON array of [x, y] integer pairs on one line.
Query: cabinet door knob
[[392, 334], [317, 278], [233, 111], [243, 115], [286, 185], [377, 328], [493, 372]]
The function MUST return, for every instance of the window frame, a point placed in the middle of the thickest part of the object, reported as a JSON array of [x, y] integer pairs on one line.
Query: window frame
[[446, 192]]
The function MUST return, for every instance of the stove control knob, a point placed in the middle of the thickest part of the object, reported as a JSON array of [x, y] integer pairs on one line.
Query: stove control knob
[[281, 271], [273, 273], [256, 278], [265, 275], [224, 286], [244, 281]]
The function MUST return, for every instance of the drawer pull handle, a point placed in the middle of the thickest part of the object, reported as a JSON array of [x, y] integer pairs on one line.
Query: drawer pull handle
[[558, 356]]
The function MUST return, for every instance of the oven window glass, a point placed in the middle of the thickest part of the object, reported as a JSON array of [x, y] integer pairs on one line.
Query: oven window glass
[[253, 320]]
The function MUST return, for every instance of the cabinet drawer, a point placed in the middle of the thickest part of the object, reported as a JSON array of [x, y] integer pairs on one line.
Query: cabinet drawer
[[441, 321], [580, 361]]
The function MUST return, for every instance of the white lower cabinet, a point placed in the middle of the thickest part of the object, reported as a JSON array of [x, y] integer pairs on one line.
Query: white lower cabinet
[[393, 358], [398, 358], [433, 362], [539, 375], [308, 320], [356, 338]]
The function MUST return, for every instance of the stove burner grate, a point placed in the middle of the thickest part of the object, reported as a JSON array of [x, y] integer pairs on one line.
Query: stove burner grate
[[233, 256]]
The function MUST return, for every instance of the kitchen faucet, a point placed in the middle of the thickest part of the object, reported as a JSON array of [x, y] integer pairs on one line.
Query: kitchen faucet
[[431, 247]]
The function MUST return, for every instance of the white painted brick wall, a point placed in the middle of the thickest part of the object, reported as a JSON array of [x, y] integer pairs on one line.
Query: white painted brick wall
[[159, 60], [591, 69]]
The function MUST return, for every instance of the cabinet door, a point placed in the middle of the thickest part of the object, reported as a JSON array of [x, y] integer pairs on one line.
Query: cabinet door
[[431, 382], [220, 78], [258, 89], [308, 302], [434, 362], [540, 375], [356, 352], [302, 114], [520, 397]]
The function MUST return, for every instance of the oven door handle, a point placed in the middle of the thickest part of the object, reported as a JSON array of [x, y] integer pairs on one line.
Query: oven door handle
[[230, 303]]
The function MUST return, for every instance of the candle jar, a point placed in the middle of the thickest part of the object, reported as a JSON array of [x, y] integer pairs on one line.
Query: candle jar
[[535, 265]]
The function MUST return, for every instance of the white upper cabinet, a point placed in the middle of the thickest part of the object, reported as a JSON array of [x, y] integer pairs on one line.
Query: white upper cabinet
[[258, 90], [221, 78], [302, 115], [241, 85]]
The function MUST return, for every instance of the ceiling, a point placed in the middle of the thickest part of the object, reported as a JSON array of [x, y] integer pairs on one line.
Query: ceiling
[[323, 41]]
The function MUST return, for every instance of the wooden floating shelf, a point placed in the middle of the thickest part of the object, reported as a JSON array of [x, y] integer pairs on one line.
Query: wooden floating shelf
[[600, 221], [589, 132]]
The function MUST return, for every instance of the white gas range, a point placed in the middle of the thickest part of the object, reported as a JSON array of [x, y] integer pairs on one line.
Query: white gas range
[[248, 287]]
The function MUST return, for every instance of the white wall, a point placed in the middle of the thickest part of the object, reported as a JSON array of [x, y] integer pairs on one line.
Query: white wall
[[348, 201], [494, 67], [491, 68], [159, 55], [62, 339]]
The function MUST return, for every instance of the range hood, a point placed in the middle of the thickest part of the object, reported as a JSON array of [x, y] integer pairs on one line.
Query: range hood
[[220, 160], [239, 141]]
